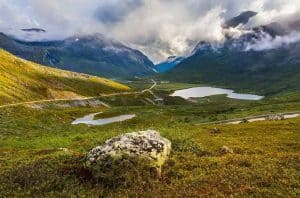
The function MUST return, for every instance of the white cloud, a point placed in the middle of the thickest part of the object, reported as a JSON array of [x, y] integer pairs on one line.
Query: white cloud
[[157, 27], [266, 42]]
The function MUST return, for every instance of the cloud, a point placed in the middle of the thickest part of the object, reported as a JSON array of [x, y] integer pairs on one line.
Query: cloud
[[159, 28], [266, 42], [114, 11]]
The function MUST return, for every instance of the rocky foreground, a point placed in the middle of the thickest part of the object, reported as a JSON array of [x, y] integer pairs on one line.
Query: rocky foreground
[[146, 145]]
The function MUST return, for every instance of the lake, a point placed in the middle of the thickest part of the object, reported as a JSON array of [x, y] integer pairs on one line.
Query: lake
[[90, 119], [200, 92]]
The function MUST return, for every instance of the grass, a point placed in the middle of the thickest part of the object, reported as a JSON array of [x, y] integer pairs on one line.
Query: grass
[[265, 162], [22, 80]]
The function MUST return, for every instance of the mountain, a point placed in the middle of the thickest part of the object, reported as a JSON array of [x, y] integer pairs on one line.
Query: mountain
[[22, 80], [243, 18], [33, 30], [266, 60], [170, 63], [93, 54]]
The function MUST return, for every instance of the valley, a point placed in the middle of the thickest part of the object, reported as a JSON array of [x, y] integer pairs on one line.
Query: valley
[[47, 150], [158, 98]]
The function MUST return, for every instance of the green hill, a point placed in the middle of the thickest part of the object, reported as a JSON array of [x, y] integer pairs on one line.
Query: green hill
[[22, 80]]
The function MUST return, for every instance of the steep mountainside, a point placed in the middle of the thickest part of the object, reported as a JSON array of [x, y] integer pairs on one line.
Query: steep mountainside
[[92, 54], [22, 80], [168, 64], [265, 60]]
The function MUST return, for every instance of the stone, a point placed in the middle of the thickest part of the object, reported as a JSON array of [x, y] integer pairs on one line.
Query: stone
[[147, 145], [275, 117], [215, 131], [244, 120], [226, 150]]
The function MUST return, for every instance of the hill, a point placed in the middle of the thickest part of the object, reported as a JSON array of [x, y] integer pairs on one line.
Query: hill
[[266, 61], [23, 80], [91, 54]]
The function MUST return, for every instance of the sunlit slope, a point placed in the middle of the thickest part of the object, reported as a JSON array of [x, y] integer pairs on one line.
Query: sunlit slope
[[22, 80]]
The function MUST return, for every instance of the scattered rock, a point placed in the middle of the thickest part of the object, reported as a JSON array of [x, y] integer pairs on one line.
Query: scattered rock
[[215, 131], [226, 150], [63, 149], [275, 117], [244, 120], [147, 145]]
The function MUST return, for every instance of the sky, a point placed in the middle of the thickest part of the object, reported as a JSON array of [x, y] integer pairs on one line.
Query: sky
[[159, 28]]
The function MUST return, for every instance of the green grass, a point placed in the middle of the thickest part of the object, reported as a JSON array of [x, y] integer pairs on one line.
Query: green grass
[[22, 80], [265, 160]]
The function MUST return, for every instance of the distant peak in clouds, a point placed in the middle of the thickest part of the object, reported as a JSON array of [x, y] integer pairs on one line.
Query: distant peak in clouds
[[159, 28], [33, 30], [243, 18]]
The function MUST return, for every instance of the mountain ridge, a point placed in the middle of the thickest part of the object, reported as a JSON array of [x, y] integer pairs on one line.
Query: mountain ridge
[[250, 62], [91, 54], [22, 81]]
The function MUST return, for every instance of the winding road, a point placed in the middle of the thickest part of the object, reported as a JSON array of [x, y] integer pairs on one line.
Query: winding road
[[238, 120], [81, 99]]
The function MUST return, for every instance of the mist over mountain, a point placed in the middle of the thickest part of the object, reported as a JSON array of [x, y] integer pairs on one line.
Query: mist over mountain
[[158, 28], [91, 54], [265, 58]]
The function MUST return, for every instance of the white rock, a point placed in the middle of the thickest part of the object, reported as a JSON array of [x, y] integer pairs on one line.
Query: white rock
[[144, 144]]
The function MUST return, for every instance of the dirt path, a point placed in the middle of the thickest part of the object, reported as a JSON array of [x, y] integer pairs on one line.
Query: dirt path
[[81, 99], [136, 92], [248, 118], [52, 100]]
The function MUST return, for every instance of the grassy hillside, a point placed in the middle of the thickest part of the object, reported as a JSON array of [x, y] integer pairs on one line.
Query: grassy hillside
[[44, 156], [22, 80]]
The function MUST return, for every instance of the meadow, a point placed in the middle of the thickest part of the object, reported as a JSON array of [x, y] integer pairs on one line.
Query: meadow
[[44, 156]]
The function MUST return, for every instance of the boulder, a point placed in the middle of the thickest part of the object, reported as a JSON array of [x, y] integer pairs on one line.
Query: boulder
[[275, 117], [147, 145], [226, 150], [215, 131]]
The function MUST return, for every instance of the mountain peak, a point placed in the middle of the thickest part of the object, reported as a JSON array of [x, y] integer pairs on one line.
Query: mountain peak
[[243, 18], [33, 30]]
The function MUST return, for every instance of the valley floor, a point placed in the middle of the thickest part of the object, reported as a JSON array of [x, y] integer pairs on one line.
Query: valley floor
[[42, 154]]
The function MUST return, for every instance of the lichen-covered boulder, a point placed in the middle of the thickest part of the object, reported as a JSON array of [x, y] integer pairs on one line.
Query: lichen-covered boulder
[[147, 145]]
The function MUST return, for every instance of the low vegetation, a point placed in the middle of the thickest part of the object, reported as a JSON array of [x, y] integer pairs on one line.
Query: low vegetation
[[21, 80], [44, 156]]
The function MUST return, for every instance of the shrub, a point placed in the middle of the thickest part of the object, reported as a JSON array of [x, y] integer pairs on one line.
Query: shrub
[[188, 145]]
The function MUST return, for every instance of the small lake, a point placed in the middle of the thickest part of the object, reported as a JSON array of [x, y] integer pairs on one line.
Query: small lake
[[200, 92], [90, 119]]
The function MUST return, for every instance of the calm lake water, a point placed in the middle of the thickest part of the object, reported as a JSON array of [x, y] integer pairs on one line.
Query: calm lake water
[[200, 92], [89, 119]]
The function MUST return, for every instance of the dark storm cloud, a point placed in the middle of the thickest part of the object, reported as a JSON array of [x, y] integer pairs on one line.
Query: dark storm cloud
[[110, 12]]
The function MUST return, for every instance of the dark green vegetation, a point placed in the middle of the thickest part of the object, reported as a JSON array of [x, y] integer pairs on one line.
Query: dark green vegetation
[[94, 54], [260, 72], [44, 156], [22, 80], [253, 62]]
